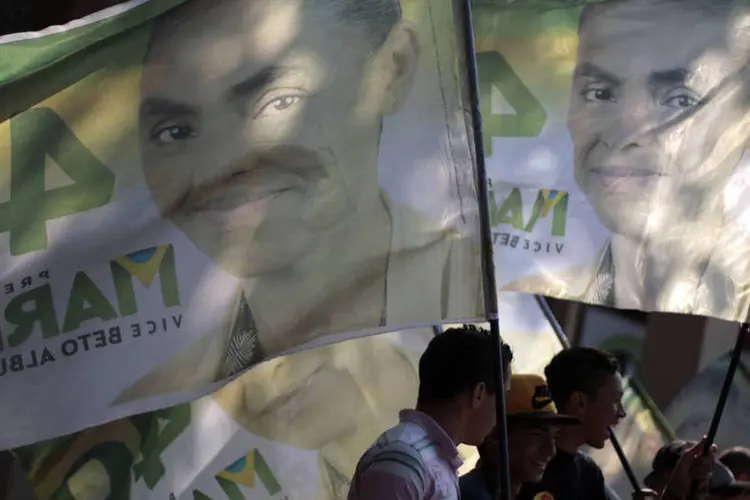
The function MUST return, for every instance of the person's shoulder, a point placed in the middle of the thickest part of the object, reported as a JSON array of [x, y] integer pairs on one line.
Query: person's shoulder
[[563, 470], [473, 485], [585, 462], [472, 480], [391, 468], [582, 457], [557, 475], [560, 462], [591, 475], [399, 449], [404, 434]]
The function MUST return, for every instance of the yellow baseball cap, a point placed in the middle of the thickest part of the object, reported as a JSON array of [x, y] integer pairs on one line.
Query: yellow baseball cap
[[529, 399]]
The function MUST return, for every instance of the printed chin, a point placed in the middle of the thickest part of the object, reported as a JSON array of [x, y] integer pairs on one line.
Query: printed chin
[[617, 220], [249, 251], [254, 261]]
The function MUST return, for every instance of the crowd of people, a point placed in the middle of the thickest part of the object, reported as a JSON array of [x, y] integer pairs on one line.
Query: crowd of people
[[549, 420]]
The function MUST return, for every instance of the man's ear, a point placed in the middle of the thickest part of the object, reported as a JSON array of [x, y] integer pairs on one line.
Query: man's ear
[[478, 395], [395, 66], [577, 404]]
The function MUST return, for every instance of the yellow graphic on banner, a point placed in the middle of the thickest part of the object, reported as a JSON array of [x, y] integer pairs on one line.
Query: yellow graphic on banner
[[243, 472], [144, 264], [551, 198]]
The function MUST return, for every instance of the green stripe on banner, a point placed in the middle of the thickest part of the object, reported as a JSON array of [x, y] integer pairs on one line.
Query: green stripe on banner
[[168, 425], [266, 476], [231, 490], [21, 91], [24, 57], [115, 458]]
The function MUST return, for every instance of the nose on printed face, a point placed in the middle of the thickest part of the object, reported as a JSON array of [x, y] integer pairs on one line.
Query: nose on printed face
[[629, 127]]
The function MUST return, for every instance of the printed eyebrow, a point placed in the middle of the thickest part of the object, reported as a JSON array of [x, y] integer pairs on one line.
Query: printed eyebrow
[[255, 83], [593, 71], [676, 76], [159, 106]]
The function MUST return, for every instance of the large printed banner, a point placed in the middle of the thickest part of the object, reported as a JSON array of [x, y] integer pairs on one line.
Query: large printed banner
[[291, 428], [188, 190], [616, 136]]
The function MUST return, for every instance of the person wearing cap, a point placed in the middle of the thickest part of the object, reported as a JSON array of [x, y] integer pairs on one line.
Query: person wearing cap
[[533, 422], [716, 479], [585, 383]]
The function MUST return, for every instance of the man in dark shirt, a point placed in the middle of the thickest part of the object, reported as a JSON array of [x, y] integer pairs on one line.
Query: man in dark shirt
[[533, 423], [586, 384]]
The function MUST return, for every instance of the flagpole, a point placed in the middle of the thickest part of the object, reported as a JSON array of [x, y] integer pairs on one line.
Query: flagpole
[[723, 395], [488, 264]]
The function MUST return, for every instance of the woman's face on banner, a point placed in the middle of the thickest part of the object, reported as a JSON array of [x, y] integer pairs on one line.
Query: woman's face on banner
[[658, 109], [260, 124]]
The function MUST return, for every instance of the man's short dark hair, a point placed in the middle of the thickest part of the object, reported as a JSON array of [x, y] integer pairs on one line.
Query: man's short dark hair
[[578, 369], [456, 361], [737, 459]]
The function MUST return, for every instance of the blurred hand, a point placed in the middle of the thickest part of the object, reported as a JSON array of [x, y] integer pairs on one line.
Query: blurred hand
[[692, 466]]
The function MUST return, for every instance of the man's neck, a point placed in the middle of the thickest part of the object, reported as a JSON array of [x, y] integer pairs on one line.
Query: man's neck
[[446, 418], [569, 440]]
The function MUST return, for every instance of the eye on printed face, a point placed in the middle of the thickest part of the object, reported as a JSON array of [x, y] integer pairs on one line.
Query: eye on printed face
[[658, 108], [256, 136]]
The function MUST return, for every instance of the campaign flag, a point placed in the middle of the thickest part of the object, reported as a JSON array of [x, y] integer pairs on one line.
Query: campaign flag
[[190, 188], [616, 135]]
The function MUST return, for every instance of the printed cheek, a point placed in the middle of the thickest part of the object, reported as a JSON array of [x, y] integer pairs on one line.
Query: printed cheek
[[583, 127]]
